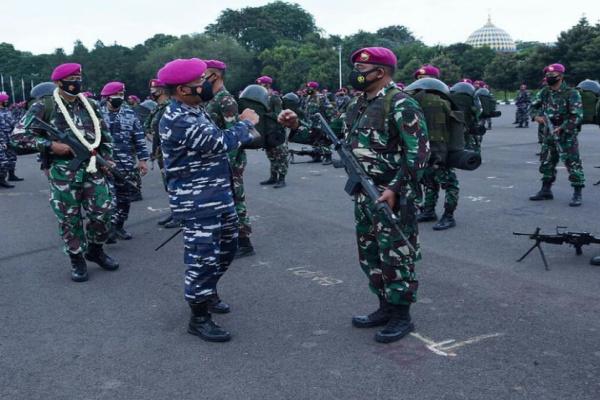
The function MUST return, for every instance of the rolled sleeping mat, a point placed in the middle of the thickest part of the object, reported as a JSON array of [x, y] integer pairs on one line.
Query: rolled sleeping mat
[[464, 159]]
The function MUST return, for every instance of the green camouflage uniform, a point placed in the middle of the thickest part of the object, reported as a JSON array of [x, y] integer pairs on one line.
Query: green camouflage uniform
[[317, 103], [151, 130], [278, 156], [223, 110], [564, 109], [386, 146], [72, 190]]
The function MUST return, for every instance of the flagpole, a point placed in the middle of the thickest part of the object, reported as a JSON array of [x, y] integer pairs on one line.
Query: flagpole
[[23, 88], [12, 89]]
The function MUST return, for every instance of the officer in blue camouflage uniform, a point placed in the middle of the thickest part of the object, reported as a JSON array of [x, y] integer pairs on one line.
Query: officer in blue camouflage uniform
[[199, 184], [388, 136], [6, 126], [563, 107], [523, 102], [129, 143], [223, 110]]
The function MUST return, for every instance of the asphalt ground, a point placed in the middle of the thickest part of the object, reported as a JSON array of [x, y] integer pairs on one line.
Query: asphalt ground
[[487, 327]]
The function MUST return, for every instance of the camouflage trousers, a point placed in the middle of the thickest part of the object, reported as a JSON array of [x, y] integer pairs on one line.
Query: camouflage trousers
[[68, 197], [121, 194], [473, 143], [436, 177], [383, 254], [238, 161], [522, 117], [565, 149], [279, 158], [210, 245], [541, 133], [3, 159]]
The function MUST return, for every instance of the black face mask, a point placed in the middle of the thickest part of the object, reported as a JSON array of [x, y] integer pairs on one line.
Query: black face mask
[[5, 103], [310, 91], [71, 87], [115, 102], [552, 80], [358, 79], [207, 92]]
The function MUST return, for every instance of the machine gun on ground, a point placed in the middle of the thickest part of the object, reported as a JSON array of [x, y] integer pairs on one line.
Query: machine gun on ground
[[562, 236]]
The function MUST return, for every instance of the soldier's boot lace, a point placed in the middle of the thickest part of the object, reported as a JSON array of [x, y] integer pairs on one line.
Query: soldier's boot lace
[[379, 317], [218, 306], [397, 327], [12, 177], [427, 215], [545, 193], [97, 255], [576, 199], [271, 181], [78, 268], [446, 222], [245, 248], [202, 325]]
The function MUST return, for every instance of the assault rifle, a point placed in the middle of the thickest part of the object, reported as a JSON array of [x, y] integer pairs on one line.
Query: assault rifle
[[359, 181], [81, 153], [562, 236], [314, 152], [550, 130]]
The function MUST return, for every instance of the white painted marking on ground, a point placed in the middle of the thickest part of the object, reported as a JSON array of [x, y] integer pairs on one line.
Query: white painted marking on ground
[[503, 187], [151, 209], [532, 162], [261, 264], [445, 347], [482, 199], [316, 276], [491, 177]]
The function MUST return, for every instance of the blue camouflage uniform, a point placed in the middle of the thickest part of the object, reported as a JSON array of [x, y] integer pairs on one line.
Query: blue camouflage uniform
[[8, 158], [128, 143], [200, 192]]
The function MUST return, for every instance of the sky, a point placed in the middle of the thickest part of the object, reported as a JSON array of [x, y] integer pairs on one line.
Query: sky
[[41, 26]]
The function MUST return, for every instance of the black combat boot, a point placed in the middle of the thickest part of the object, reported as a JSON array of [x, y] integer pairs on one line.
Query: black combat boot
[[379, 317], [576, 199], [121, 233], [12, 177], [544, 194], [3, 182], [218, 306], [96, 254], [280, 183], [201, 324], [112, 236], [397, 327], [427, 215], [172, 224], [327, 159], [446, 222], [245, 248], [78, 268], [165, 219], [315, 158], [595, 260], [271, 181]]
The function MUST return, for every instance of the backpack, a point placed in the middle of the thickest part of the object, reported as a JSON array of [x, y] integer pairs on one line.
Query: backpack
[[488, 106], [271, 132], [591, 107]]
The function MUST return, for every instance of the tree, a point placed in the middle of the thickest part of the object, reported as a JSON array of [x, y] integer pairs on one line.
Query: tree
[[260, 28], [571, 49], [501, 73], [450, 72]]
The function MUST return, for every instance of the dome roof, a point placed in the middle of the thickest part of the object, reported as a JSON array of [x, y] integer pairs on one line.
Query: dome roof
[[493, 37]]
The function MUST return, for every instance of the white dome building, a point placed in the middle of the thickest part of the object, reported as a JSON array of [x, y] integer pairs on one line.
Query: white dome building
[[493, 37]]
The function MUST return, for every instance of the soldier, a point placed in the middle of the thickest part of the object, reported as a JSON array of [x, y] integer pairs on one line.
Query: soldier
[[563, 108], [463, 95], [6, 126], [129, 143], [314, 103], [158, 94], [523, 102], [223, 110], [199, 184], [86, 187], [341, 100], [389, 138], [433, 96], [278, 156], [482, 120]]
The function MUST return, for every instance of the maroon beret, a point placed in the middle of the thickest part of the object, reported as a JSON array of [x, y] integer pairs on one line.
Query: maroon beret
[[555, 68], [64, 70], [428, 70], [112, 88], [216, 64], [375, 55], [4, 96], [312, 84], [180, 71], [154, 83], [267, 80]]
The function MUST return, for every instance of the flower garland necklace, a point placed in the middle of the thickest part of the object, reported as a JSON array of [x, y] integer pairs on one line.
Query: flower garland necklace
[[80, 136]]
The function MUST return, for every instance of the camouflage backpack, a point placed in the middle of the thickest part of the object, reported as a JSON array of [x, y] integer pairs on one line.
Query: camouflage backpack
[[272, 133], [488, 104], [590, 99]]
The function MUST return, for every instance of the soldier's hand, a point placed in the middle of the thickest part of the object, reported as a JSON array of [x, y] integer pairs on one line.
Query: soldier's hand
[[389, 197], [143, 167], [61, 149], [250, 116], [539, 120], [288, 118]]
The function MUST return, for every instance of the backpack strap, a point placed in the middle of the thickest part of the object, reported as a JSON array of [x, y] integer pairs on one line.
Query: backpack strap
[[48, 108]]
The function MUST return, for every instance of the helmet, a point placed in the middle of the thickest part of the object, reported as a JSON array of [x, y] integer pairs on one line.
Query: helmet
[[148, 104], [42, 90], [463, 87], [482, 92], [290, 100], [257, 94], [430, 84], [590, 85]]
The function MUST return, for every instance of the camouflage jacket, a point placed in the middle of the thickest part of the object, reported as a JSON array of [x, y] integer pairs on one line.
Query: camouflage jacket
[[523, 100], [84, 123], [563, 107], [151, 126], [318, 104], [7, 124], [196, 165], [393, 149], [223, 110], [127, 135]]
